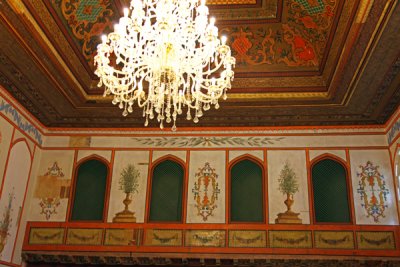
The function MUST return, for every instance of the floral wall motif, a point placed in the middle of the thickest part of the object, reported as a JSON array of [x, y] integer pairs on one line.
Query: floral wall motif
[[6, 220], [275, 138], [247, 239], [205, 238], [12, 197], [51, 188], [276, 162], [140, 159], [206, 172], [376, 240], [373, 189], [289, 186], [49, 203], [128, 183], [206, 191], [290, 239], [213, 141]]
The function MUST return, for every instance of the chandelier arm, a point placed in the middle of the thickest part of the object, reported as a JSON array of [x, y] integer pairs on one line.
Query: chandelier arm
[[216, 68], [132, 88]]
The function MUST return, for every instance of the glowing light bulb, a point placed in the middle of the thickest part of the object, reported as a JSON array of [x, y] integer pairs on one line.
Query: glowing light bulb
[[212, 21], [223, 40]]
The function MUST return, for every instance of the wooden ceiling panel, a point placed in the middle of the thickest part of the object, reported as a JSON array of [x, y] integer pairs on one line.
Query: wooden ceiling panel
[[299, 62]]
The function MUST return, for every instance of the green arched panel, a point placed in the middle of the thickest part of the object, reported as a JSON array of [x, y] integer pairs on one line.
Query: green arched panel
[[90, 189], [166, 192], [330, 192], [246, 192]]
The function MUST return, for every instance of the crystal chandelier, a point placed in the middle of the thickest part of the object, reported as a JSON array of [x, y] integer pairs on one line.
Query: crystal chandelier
[[165, 55]]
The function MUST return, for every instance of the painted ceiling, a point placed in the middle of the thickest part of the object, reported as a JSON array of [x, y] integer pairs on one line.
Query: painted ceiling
[[299, 62]]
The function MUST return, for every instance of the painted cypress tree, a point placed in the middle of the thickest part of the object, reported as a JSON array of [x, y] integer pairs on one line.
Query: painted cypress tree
[[288, 180], [288, 185], [128, 183]]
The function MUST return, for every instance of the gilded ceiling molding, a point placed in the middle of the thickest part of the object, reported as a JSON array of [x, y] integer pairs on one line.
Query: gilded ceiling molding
[[266, 96], [368, 51], [269, 11], [363, 11], [231, 2], [59, 40]]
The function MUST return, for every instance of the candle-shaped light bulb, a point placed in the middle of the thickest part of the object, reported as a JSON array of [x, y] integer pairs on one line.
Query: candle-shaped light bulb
[[223, 39], [104, 38], [203, 2], [137, 5], [212, 21], [126, 12]]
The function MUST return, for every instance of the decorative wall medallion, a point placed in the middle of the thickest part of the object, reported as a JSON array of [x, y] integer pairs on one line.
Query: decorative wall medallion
[[5, 223], [51, 187], [373, 191], [46, 236], [206, 191]]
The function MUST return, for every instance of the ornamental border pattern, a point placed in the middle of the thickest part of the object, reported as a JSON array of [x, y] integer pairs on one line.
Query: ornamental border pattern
[[211, 141], [186, 238], [21, 122]]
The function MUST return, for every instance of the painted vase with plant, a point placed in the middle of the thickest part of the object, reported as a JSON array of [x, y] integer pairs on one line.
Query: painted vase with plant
[[288, 185], [129, 184]]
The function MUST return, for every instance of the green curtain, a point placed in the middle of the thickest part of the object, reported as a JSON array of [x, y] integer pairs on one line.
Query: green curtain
[[330, 192], [90, 191], [246, 192], [166, 192]]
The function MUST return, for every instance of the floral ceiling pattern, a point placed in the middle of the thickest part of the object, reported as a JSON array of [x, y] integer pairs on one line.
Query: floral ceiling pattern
[[298, 39]]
